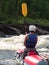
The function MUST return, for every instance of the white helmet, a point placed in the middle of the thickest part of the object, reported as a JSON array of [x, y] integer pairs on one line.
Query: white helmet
[[32, 28]]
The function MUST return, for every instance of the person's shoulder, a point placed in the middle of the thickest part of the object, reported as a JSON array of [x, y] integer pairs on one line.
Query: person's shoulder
[[26, 36], [35, 34]]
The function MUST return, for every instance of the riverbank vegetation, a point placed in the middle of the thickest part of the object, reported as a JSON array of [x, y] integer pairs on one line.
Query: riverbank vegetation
[[21, 20]]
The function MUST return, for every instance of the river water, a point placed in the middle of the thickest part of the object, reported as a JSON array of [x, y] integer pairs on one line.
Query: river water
[[9, 45]]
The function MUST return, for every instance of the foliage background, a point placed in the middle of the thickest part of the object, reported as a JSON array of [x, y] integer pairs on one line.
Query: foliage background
[[38, 12]]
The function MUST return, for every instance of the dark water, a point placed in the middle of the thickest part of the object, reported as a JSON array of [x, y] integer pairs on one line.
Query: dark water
[[7, 57], [7, 54]]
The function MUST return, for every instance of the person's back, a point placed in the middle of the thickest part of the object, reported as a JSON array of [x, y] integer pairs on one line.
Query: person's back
[[31, 40]]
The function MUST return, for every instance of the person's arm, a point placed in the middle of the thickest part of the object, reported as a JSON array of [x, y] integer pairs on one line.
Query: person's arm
[[25, 40], [36, 39]]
